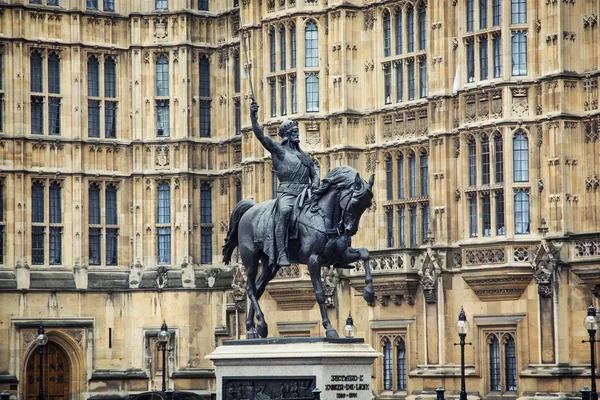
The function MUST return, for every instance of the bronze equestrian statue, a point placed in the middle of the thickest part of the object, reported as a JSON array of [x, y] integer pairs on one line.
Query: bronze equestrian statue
[[316, 233]]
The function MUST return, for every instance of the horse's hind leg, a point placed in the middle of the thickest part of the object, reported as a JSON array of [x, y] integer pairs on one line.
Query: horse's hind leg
[[265, 277], [314, 267], [251, 263]]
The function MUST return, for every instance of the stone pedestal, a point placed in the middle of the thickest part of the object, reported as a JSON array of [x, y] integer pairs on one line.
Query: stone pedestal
[[290, 368]]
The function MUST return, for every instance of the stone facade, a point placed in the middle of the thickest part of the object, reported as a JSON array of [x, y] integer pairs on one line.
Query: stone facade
[[486, 196]]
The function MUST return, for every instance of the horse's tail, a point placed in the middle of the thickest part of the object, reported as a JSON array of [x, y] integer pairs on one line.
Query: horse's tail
[[231, 241]]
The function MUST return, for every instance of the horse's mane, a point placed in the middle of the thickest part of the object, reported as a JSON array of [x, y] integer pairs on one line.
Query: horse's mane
[[338, 178]]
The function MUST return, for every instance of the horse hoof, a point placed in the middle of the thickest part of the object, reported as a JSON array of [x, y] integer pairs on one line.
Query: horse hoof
[[263, 330], [369, 295], [331, 334], [251, 334]]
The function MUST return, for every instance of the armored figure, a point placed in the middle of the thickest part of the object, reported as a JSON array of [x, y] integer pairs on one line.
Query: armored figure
[[296, 174]]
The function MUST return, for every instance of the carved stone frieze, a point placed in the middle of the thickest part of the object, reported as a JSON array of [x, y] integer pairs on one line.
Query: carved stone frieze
[[299, 295], [506, 283], [482, 256]]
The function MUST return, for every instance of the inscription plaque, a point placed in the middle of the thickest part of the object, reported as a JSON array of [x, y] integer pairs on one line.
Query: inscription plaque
[[261, 388]]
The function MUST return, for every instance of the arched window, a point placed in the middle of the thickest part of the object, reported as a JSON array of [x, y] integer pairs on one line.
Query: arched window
[[402, 228], [510, 363], [494, 349], [110, 78], [93, 77], [273, 51], [282, 47], [398, 32], [521, 157], [293, 46], [521, 213], [112, 223], [401, 364], [519, 54], [205, 118], [387, 365], [387, 35], [390, 227], [206, 224], [53, 73], [389, 177], [38, 227], [422, 26], [37, 202], [35, 65], [95, 222], [236, 72], [55, 219], [162, 76], [387, 83], [472, 162], [163, 223], [412, 175], [410, 22], [473, 216], [311, 44], [400, 167], [424, 164], [498, 159], [485, 160]]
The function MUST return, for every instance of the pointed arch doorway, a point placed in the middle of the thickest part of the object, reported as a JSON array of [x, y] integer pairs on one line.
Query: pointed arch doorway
[[57, 373]]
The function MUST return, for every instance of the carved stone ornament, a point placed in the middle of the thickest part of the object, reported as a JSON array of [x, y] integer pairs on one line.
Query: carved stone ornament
[[162, 157], [239, 288], [495, 284], [162, 277], [330, 277], [430, 267], [546, 265]]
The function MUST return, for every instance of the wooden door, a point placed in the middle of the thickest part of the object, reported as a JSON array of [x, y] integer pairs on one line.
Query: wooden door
[[56, 374]]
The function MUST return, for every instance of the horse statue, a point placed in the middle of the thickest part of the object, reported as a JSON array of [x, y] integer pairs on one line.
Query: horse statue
[[323, 228]]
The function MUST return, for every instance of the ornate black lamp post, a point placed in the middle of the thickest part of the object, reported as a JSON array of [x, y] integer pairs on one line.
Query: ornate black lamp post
[[41, 339], [163, 338], [462, 327], [591, 324]]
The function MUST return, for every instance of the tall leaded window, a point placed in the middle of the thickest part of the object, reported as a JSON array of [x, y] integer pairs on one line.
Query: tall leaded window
[[496, 12], [402, 227], [294, 94], [389, 178], [412, 175], [55, 224], [399, 32], [520, 157], [283, 48], [472, 162], [387, 35], [273, 51], [112, 229], [522, 216], [497, 48], [399, 82], [161, 4], [37, 202], [510, 363], [238, 190], [53, 73], [236, 72], [283, 93], [413, 227], [312, 93], [470, 60], [36, 72], [390, 227], [483, 58], [205, 99], [483, 10], [500, 230], [422, 26], [387, 365], [519, 53], [1, 99], [164, 223], [293, 46], [163, 114], [423, 78], [37, 115], [425, 221], [237, 116], [163, 118], [37, 221], [518, 11], [486, 215], [203, 5], [410, 67], [162, 76], [2, 222], [93, 75], [494, 350], [206, 223], [410, 29], [95, 225], [498, 159], [91, 4], [273, 88], [401, 364], [109, 5], [473, 216], [311, 44], [485, 160], [424, 165], [387, 84], [110, 92], [54, 121], [470, 15], [400, 167]]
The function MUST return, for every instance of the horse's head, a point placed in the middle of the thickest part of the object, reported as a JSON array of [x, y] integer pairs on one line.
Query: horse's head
[[354, 201]]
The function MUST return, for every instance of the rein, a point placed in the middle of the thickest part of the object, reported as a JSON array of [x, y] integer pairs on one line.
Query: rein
[[335, 231]]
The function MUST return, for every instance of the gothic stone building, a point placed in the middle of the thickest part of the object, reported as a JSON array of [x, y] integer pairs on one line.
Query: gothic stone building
[[125, 143]]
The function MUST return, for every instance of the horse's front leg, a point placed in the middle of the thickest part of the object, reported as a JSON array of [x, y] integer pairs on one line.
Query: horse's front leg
[[314, 268], [352, 255], [265, 277]]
